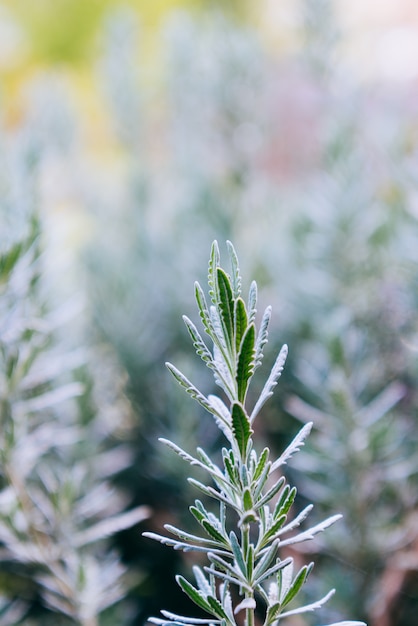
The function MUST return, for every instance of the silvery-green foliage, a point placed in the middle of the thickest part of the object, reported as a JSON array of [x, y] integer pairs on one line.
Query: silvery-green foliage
[[244, 541], [375, 469], [336, 252], [56, 502]]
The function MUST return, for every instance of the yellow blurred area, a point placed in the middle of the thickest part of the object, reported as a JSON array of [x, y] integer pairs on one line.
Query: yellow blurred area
[[64, 30], [380, 40], [38, 35]]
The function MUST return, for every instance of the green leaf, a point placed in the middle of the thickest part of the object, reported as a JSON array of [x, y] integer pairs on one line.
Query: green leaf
[[202, 582], [198, 515], [240, 427], [250, 561], [273, 570], [9, 260], [215, 331], [212, 493], [236, 276], [262, 336], [267, 559], [245, 364], [212, 276], [182, 453], [273, 530], [236, 549], [194, 594], [261, 464], [294, 446], [231, 471], [194, 392], [199, 345], [262, 481], [203, 310], [285, 502], [297, 583], [252, 302], [270, 493], [245, 481], [214, 533], [271, 382], [217, 608], [226, 306], [206, 460], [188, 537], [272, 613], [240, 322], [247, 499]]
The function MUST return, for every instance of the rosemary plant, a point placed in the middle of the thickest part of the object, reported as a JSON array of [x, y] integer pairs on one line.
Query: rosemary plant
[[246, 569], [57, 502]]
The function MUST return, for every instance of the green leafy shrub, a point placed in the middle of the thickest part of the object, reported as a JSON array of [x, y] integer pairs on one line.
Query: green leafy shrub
[[313, 176], [245, 542], [57, 464]]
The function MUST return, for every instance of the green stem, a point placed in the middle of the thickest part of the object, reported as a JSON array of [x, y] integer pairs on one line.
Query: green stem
[[245, 542], [249, 617]]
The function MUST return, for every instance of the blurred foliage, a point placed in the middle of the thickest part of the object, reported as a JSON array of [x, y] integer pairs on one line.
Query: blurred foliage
[[57, 457], [65, 30]]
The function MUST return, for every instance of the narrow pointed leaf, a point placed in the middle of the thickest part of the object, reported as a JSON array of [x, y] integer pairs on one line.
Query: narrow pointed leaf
[[185, 547], [202, 581], [270, 494], [217, 608], [181, 619], [212, 276], [198, 515], [226, 306], [240, 322], [240, 427], [193, 391], [250, 561], [271, 381], [273, 530], [236, 549], [263, 479], [267, 559], [203, 309], [276, 567], [284, 504], [212, 493], [214, 533], [228, 578], [199, 345], [262, 337], [309, 607], [182, 453], [252, 302], [194, 594], [261, 464], [230, 470], [247, 499], [181, 534], [297, 584], [245, 364], [273, 613], [294, 446], [311, 532], [236, 276]]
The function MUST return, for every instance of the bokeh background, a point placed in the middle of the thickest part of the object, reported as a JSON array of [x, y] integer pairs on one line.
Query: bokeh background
[[138, 132]]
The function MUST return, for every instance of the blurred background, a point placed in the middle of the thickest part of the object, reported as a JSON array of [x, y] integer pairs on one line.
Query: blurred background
[[137, 132]]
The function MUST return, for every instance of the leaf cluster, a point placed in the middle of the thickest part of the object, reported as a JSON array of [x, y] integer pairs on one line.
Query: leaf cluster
[[243, 542], [56, 502]]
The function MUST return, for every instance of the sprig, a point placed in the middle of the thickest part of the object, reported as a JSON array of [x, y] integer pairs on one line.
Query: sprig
[[243, 541]]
